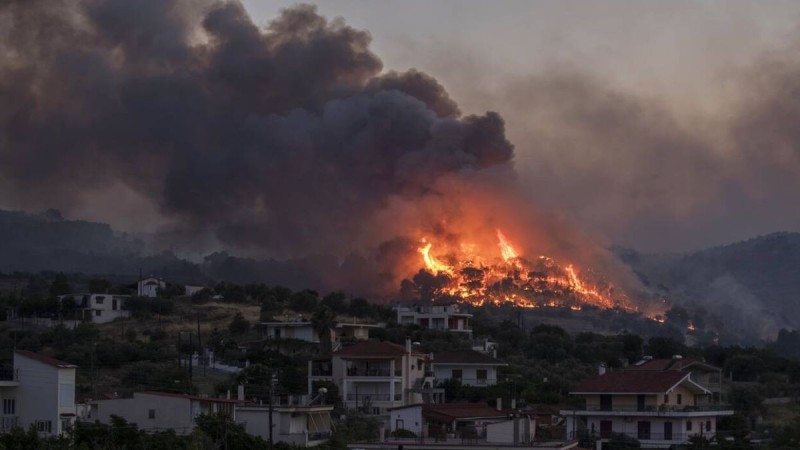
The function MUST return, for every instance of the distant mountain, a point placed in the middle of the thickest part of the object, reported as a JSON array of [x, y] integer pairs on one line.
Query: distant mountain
[[752, 285]]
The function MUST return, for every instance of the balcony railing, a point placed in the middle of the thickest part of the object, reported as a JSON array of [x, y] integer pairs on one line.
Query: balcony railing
[[362, 372], [654, 408], [8, 422], [319, 435], [642, 436], [321, 373], [9, 374], [373, 397]]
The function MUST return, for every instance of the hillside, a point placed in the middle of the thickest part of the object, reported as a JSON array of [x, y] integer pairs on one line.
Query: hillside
[[753, 284]]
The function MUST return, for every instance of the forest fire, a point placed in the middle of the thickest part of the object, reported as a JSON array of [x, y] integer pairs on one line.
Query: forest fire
[[505, 277]]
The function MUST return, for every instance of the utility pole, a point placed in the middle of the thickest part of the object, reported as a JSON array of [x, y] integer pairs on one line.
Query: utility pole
[[270, 403]]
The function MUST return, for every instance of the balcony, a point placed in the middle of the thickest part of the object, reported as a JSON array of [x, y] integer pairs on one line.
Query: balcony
[[7, 423], [9, 376], [373, 397], [648, 436], [321, 373], [364, 372], [651, 410]]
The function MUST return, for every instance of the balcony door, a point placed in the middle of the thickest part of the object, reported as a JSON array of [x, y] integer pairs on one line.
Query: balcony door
[[605, 428], [644, 430], [667, 431], [605, 403], [640, 402]]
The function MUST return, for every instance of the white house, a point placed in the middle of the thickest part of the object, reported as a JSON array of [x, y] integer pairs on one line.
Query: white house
[[516, 431], [97, 308], [294, 422], [407, 417], [298, 329], [155, 411], [470, 367], [659, 408], [149, 287], [446, 317], [375, 376], [44, 394]]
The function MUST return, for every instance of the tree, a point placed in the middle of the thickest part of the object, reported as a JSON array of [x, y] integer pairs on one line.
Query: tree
[[99, 286], [336, 301], [322, 321], [303, 301], [59, 286], [239, 325]]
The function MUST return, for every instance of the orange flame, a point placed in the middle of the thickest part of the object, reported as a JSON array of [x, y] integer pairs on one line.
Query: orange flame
[[430, 262], [506, 249]]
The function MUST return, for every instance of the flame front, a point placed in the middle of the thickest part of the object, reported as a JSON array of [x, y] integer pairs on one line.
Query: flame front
[[509, 278]]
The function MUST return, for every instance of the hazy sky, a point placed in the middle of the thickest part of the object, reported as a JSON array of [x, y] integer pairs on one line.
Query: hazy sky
[[686, 66], [657, 125]]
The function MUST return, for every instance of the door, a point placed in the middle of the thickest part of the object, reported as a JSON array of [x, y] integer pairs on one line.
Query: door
[[605, 428], [644, 430], [667, 431], [640, 402]]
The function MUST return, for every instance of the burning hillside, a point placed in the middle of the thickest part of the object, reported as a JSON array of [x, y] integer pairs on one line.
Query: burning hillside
[[501, 275]]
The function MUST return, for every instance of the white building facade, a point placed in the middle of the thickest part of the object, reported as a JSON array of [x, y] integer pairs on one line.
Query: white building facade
[[295, 423], [469, 367], [45, 393], [97, 308], [436, 317]]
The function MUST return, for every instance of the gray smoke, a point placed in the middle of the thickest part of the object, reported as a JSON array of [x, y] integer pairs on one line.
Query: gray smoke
[[282, 141]]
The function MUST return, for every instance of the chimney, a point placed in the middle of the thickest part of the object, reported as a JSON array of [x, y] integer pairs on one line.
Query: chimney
[[513, 403], [408, 345], [601, 369], [240, 392], [499, 403]]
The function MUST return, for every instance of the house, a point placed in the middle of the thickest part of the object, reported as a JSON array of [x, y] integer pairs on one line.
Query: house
[[295, 421], [297, 329], [161, 410], [407, 417], [469, 367], [96, 308], [659, 408], [375, 376], [149, 287], [518, 430], [40, 392], [703, 373], [464, 420], [436, 317], [350, 331], [485, 346]]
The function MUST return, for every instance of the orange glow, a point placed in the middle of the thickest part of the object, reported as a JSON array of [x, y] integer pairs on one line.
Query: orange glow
[[690, 327], [482, 278]]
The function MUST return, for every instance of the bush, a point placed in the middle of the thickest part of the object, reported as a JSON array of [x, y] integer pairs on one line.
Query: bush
[[403, 433], [239, 325]]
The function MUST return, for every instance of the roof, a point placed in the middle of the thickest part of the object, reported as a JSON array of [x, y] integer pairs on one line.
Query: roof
[[372, 349], [632, 382], [456, 411], [465, 357], [670, 364], [191, 397], [44, 359]]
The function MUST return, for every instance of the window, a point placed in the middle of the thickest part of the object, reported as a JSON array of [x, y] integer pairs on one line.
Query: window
[[605, 402], [708, 425], [399, 425], [456, 374], [99, 299], [66, 394], [688, 425], [644, 430], [679, 399], [98, 313], [481, 376], [151, 413], [114, 304], [44, 426], [666, 398], [9, 406]]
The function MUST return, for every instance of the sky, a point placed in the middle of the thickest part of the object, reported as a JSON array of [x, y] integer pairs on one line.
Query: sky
[[661, 126], [686, 63]]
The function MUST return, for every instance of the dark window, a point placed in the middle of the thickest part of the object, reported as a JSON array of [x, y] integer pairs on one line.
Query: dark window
[[605, 403], [481, 373], [666, 398], [114, 304], [688, 425], [456, 374], [679, 399], [9, 406], [98, 312], [606, 428], [399, 425], [151, 413], [644, 430], [708, 425], [99, 299], [667, 431], [640, 402]]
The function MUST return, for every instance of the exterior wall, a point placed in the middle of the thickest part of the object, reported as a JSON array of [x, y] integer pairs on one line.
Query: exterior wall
[[436, 317], [98, 308], [410, 419], [9, 419], [170, 412], [149, 287], [292, 330], [38, 393], [469, 373], [503, 432], [630, 426], [191, 290], [289, 425]]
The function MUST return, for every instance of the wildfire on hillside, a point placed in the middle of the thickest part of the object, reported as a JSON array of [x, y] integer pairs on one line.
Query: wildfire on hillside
[[501, 275]]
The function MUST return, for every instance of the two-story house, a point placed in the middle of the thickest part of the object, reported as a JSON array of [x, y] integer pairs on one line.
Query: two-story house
[[445, 317], [296, 420], [44, 394], [149, 287], [375, 376], [96, 308], [659, 408], [469, 367]]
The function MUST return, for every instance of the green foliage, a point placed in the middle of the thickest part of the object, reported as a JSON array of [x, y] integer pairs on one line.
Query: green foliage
[[322, 321], [99, 286], [336, 301], [239, 325], [146, 307], [665, 347], [303, 301], [220, 431], [403, 434], [60, 285], [623, 442]]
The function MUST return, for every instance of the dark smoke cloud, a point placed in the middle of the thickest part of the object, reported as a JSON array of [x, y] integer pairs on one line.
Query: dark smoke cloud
[[282, 141]]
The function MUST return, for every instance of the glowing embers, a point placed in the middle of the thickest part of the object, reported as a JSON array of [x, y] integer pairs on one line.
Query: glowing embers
[[468, 275]]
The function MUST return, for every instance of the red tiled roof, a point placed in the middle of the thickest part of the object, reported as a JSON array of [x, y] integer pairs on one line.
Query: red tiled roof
[[465, 357], [50, 361], [670, 364], [455, 411], [631, 382], [192, 397], [372, 349]]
